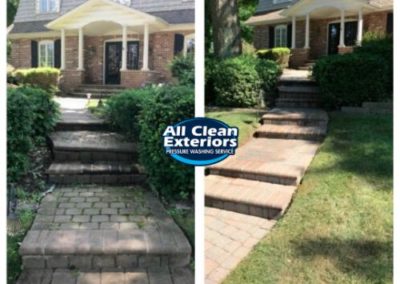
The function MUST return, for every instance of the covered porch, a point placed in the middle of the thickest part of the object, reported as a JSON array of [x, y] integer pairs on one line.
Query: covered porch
[[103, 42]]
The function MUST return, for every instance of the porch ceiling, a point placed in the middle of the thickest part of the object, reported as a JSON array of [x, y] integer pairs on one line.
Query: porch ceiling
[[327, 8], [96, 17]]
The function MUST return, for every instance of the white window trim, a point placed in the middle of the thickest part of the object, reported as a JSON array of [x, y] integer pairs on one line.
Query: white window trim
[[279, 27], [58, 7], [46, 42]]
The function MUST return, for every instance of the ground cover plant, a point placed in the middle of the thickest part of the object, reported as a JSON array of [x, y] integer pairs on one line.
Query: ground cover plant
[[339, 228]]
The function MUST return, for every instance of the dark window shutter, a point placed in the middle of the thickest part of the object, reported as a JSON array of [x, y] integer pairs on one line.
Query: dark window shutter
[[389, 23], [57, 53], [271, 37], [34, 54], [289, 36], [178, 44]]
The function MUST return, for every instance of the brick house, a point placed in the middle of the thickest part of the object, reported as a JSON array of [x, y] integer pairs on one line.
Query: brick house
[[117, 42], [314, 28]]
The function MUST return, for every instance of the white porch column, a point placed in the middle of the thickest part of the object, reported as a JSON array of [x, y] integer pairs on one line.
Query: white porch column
[[124, 48], [293, 32], [360, 27], [342, 27], [146, 48], [80, 52], [62, 67], [307, 41]]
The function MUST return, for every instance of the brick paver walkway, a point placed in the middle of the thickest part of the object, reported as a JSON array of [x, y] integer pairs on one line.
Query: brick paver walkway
[[98, 233], [229, 238], [247, 192]]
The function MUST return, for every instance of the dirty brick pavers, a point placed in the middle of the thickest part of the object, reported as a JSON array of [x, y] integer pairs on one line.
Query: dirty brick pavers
[[93, 232], [99, 225], [248, 192]]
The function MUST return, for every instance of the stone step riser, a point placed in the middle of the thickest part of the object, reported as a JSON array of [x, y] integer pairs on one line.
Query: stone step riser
[[93, 96], [297, 83], [106, 179], [271, 178], [81, 127], [297, 104], [93, 156], [243, 208], [86, 262], [307, 96], [299, 122], [302, 136]]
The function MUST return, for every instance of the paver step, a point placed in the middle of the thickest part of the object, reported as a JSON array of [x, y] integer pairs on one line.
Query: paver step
[[316, 133], [91, 146], [249, 197], [98, 86], [297, 103], [305, 67], [59, 276], [279, 161], [94, 95], [296, 116], [91, 228], [80, 120], [298, 89], [97, 173]]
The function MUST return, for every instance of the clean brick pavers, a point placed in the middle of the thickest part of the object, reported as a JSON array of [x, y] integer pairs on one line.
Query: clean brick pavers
[[248, 192]]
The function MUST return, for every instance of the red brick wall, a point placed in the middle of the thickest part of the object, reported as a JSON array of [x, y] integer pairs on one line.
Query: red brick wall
[[70, 79], [138, 78], [375, 22]]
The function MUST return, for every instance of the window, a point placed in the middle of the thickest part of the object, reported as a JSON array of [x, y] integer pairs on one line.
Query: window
[[281, 36], [133, 55], [46, 54], [48, 6]]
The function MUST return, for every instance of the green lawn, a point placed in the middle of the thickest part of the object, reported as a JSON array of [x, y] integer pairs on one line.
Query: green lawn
[[339, 227], [245, 119]]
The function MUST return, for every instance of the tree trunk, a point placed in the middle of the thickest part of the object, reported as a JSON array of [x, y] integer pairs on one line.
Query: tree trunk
[[226, 28]]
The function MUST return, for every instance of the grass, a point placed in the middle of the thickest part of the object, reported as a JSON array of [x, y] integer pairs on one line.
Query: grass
[[246, 120], [94, 107], [339, 227], [14, 260]]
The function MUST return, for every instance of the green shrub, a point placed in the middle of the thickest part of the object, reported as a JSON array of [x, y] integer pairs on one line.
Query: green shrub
[[236, 82], [31, 115], [182, 68], [19, 133], [44, 78], [280, 55], [46, 112], [211, 64], [122, 111], [269, 73], [351, 79], [169, 105]]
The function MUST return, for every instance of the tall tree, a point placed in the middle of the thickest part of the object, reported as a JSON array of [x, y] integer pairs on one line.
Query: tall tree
[[12, 6], [225, 27]]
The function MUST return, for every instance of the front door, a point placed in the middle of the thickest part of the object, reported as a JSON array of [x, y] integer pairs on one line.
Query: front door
[[113, 63], [350, 36], [113, 60]]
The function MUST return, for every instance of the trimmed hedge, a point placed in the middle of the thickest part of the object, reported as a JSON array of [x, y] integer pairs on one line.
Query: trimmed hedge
[[236, 82], [240, 81], [182, 68], [169, 105], [31, 115], [122, 111], [280, 55], [44, 78], [351, 79]]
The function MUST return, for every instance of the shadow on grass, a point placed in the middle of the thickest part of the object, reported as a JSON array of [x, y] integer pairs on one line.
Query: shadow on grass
[[363, 150], [365, 259]]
